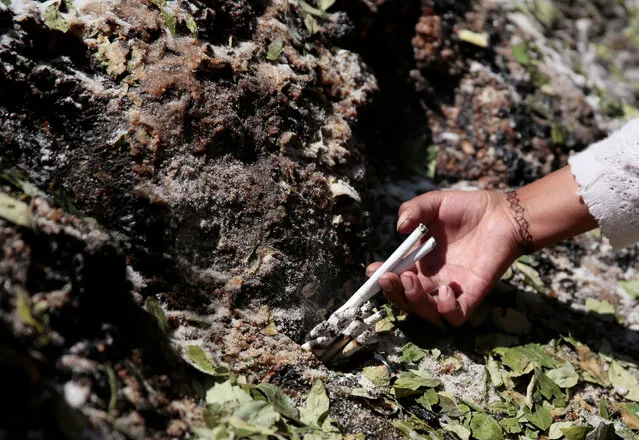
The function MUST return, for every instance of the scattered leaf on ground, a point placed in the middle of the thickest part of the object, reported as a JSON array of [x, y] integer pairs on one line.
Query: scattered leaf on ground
[[623, 381], [411, 353], [564, 376], [377, 374], [280, 401], [484, 427], [476, 38], [599, 306], [632, 287], [275, 49], [154, 308], [15, 211]]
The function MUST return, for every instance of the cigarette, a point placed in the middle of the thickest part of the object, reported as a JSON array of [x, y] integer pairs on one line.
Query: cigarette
[[370, 287]]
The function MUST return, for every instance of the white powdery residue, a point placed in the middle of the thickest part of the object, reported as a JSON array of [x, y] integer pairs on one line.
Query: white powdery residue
[[23, 8]]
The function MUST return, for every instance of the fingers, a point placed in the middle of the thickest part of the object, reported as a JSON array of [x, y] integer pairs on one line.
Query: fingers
[[418, 300], [394, 290], [449, 307], [421, 209]]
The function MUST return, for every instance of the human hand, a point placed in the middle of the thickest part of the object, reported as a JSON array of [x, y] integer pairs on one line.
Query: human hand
[[477, 240]]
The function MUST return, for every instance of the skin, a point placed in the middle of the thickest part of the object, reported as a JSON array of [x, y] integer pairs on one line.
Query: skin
[[477, 240]]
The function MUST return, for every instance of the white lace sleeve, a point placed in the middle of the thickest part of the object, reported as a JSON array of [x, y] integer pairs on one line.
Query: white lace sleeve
[[608, 175]]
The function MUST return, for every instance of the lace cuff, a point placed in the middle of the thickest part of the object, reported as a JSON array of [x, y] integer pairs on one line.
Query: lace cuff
[[608, 175]]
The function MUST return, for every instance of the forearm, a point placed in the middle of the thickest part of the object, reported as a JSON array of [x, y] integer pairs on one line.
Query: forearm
[[553, 210]]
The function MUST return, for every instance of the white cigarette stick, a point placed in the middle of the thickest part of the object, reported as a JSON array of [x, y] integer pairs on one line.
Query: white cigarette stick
[[370, 287]]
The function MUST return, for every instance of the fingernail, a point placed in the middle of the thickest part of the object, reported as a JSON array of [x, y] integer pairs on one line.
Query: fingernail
[[402, 219], [408, 283], [445, 290]]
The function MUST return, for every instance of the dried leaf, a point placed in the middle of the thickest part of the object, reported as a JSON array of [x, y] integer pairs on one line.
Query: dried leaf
[[518, 358], [280, 401], [408, 429], [24, 311], [484, 427], [191, 25], [555, 433], [311, 24], [564, 376], [325, 4], [409, 382], [601, 307], [199, 360], [257, 413], [154, 308], [510, 321], [113, 388], [310, 9], [377, 374], [603, 409], [632, 287], [547, 387], [428, 399], [459, 430], [475, 38], [54, 19], [591, 364], [510, 425], [605, 431], [170, 20], [15, 211], [494, 371], [275, 49], [411, 353], [541, 417], [624, 382], [317, 404], [576, 432], [630, 415], [532, 277], [227, 393]]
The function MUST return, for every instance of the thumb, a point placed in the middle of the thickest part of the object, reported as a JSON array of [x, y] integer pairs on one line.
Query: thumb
[[421, 209]]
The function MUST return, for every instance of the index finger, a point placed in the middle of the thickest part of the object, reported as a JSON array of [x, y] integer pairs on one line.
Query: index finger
[[421, 209]]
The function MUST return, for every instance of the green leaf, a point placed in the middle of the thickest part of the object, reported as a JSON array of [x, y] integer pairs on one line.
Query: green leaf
[[428, 399], [275, 49], [245, 429], [311, 24], [518, 358], [494, 371], [510, 425], [605, 431], [311, 10], [317, 404], [258, 413], [154, 308], [555, 433], [411, 353], [564, 376], [113, 387], [601, 307], [479, 39], [459, 430], [510, 321], [15, 211], [199, 360], [623, 381], [170, 20], [431, 160], [53, 19], [548, 388], [361, 392], [378, 374], [576, 432], [226, 393], [520, 53], [632, 287], [603, 409], [408, 429], [325, 4], [484, 427], [280, 401], [541, 418], [532, 277], [409, 382], [191, 25], [24, 311]]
